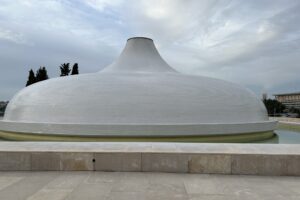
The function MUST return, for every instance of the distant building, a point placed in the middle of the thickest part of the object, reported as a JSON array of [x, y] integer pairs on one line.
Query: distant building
[[289, 99]]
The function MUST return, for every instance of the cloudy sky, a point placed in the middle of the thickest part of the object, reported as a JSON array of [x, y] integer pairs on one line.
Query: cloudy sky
[[254, 43]]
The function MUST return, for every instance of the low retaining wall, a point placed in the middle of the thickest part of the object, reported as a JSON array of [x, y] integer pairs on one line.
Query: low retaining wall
[[254, 159]]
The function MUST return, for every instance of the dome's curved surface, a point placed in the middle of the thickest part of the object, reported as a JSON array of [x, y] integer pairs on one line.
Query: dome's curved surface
[[149, 98], [138, 90]]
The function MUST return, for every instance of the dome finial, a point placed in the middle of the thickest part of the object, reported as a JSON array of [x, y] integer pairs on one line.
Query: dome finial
[[139, 55], [139, 37]]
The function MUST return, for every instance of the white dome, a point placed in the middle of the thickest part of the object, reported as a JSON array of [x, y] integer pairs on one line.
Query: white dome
[[138, 90]]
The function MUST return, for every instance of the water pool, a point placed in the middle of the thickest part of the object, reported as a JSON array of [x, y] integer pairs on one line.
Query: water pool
[[284, 136]]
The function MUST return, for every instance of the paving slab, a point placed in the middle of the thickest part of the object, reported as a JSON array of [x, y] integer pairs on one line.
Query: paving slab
[[142, 185], [27, 184]]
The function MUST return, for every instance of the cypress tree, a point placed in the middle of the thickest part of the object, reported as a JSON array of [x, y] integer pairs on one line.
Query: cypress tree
[[31, 78], [41, 74], [65, 69], [75, 69]]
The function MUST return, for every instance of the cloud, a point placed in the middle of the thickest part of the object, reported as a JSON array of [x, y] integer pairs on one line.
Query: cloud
[[100, 5], [253, 43], [9, 35]]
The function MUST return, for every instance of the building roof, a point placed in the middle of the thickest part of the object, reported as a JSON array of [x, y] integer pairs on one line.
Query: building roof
[[284, 94]]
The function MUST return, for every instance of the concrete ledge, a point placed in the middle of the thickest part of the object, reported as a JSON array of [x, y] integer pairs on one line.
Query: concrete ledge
[[251, 159], [231, 138], [137, 130]]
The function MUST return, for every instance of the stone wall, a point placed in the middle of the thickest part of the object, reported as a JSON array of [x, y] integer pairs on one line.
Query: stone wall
[[241, 159]]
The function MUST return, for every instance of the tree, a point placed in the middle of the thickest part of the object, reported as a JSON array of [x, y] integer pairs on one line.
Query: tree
[[65, 69], [41, 74], [75, 69], [31, 78], [3, 106], [273, 106], [294, 110]]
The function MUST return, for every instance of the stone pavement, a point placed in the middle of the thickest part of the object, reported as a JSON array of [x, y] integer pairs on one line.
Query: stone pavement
[[134, 185]]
